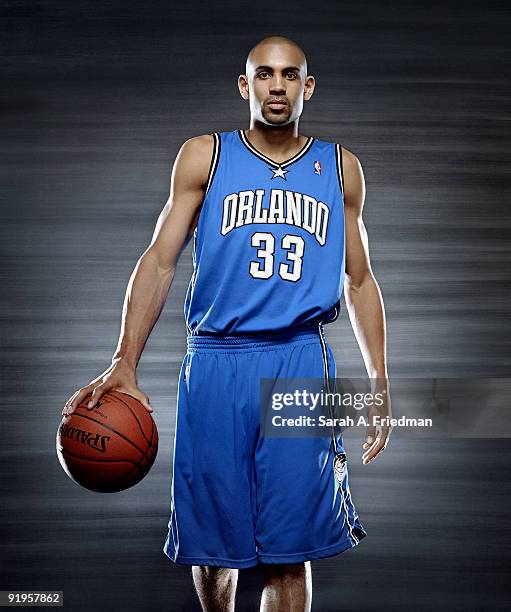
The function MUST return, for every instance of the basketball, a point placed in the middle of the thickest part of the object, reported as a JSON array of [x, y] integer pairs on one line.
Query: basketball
[[110, 447]]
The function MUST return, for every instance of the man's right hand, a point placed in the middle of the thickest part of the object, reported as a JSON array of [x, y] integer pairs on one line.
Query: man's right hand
[[120, 376]]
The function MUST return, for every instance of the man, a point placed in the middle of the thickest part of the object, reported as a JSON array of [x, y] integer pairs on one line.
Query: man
[[268, 209]]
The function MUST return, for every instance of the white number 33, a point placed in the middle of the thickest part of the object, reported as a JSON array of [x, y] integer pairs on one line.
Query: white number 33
[[291, 269]]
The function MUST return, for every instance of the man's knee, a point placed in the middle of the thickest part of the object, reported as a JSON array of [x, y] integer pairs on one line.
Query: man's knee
[[283, 570], [217, 574]]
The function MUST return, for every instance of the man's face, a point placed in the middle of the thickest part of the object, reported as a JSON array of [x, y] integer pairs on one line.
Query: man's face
[[276, 84]]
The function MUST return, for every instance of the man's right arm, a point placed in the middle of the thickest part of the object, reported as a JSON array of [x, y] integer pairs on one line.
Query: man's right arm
[[152, 277]]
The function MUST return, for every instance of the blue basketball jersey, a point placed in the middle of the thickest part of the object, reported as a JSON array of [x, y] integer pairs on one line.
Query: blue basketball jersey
[[269, 246]]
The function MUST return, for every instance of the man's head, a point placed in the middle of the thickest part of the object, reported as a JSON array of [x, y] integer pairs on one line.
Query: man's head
[[276, 81]]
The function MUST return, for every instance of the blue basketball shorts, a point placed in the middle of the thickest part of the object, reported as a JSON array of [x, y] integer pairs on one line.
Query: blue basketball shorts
[[237, 497]]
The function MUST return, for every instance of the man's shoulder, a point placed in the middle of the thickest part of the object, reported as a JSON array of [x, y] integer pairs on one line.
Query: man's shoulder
[[198, 145], [196, 153], [329, 142]]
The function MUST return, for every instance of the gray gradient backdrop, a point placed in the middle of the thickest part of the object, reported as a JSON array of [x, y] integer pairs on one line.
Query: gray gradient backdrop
[[96, 99]]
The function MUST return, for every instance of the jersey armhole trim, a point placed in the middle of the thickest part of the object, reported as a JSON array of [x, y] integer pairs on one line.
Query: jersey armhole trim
[[340, 176], [214, 161]]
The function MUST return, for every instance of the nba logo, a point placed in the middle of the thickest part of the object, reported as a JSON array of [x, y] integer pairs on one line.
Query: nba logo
[[317, 167]]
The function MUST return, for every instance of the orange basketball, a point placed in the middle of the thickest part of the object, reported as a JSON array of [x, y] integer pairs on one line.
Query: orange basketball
[[110, 447]]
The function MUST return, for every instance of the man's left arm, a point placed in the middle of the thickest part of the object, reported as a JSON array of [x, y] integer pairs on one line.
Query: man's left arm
[[364, 302]]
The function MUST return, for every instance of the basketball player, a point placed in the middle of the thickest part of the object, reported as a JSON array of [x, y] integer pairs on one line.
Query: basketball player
[[276, 223]]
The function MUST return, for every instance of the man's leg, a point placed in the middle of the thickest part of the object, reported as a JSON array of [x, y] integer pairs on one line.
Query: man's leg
[[216, 587], [287, 588]]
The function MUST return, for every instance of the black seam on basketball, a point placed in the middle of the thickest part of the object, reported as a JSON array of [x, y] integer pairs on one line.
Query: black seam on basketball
[[84, 416], [66, 452], [112, 393], [126, 476], [149, 441], [138, 465]]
